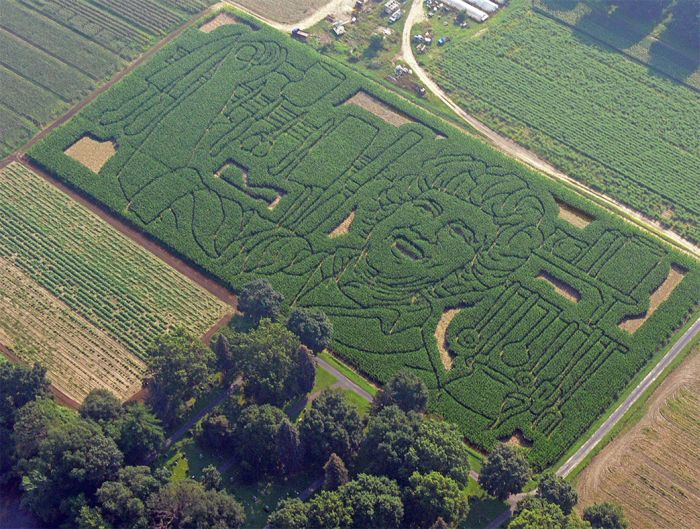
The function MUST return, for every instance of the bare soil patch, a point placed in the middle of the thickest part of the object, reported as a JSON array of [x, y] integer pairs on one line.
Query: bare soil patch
[[675, 276], [275, 202], [574, 216], [285, 11], [562, 288], [441, 337], [92, 153], [653, 468], [518, 439], [222, 19], [380, 109], [344, 227], [79, 357]]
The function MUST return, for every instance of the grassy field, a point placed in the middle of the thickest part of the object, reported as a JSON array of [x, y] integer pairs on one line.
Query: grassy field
[[238, 149], [56, 51], [651, 468], [81, 297], [596, 113]]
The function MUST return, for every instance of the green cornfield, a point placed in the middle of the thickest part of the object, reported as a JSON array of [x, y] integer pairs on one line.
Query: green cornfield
[[238, 150]]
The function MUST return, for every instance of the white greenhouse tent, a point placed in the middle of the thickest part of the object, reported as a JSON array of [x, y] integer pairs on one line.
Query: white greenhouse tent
[[472, 12], [485, 5]]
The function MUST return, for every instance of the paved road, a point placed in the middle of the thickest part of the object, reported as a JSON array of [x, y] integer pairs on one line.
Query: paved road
[[589, 445], [343, 381], [519, 152]]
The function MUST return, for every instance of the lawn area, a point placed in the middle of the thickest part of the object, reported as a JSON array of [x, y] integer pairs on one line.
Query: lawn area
[[349, 373]]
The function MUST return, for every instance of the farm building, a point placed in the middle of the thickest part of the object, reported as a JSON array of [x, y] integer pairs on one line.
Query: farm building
[[485, 5], [472, 12], [392, 6]]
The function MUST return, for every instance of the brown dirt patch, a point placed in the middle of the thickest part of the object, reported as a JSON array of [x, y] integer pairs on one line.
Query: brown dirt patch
[[573, 216], [380, 109], [222, 19], [286, 11], [92, 153], [275, 202], [441, 337], [675, 276], [344, 227], [518, 440], [653, 469], [79, 357], [562, 288]]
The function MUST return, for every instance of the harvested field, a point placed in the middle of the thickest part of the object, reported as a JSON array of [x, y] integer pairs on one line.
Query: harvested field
[[573, 216], [561, 287], [444, 225], [79, 357], [518, 440], [380, 109], [441, 337], [653, 469], [661, 294], [222, 19], [92, 153], [286, 11], [344, 227]]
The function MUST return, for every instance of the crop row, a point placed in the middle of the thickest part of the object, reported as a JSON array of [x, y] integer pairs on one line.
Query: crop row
[[154, 18], [99, 274], [594, 113], [448, 224]]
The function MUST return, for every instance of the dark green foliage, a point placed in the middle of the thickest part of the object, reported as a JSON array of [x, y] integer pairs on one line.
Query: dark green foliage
[[535, 513], [306, 370], [440, 524], [398, 444], [605, 516], [255, 439], [100, 405], [223, 353], [313, 328], [335, 473], [290, 514], [332, 425], [506, 472], [374, 502], [179, 370], [327, 510], [71, 463], [557, 490], [211, 478], [404, 390], [438, 225], [137, 432], [187, 505], [290, 451], [272, 363], [434, 495], [19, 385], [259, 300], [217, 432]]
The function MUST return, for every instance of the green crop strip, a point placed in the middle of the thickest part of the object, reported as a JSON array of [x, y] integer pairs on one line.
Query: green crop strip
[[218, 128]]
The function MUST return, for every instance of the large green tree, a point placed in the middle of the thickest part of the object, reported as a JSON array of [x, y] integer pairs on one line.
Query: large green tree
[[179, 369], [71, 463], [313, 328], [374, 502], [100, 405], [187, 504], [273, 364], [255, 439], [404, 390], [19, 385], [331, 425], [259, 300], [506, 472], [435, 495], [137, 432], [557, 490], [605, 516], [290, 514]]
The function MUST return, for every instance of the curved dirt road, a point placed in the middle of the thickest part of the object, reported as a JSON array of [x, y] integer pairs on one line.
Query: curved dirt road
[[415, 15], [333, 7]]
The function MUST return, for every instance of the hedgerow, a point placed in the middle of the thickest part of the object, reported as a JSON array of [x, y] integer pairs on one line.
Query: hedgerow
[[217, 127]]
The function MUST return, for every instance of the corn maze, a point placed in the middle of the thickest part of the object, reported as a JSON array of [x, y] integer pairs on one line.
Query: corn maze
[[237, 148]]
